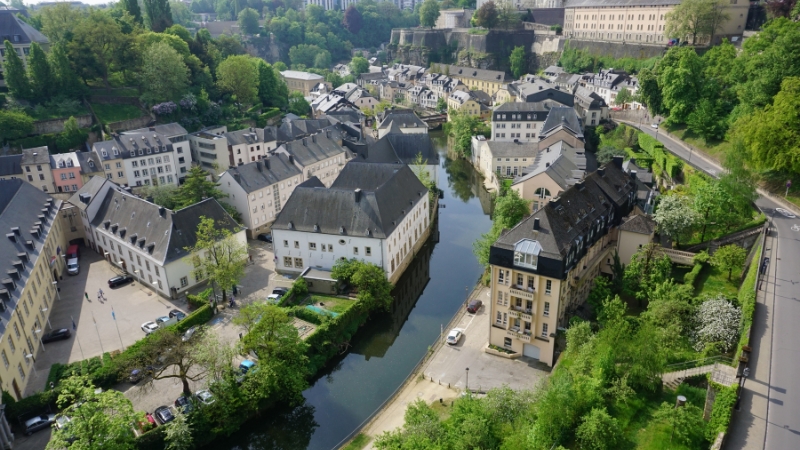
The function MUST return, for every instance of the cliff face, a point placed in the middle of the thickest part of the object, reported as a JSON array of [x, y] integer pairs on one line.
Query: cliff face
[[488, 51]]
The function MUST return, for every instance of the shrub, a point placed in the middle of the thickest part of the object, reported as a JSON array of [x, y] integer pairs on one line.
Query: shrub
[[747, 301], [35, 403], [690, 279], [722, 410], [717, 324], [303, 313], [152, 440], [200, 299], [200, 316]]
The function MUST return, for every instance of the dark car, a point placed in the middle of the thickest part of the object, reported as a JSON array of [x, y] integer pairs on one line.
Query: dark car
[[184, 404], [163, 415], [474, 306], [56, 335], [38, 423], [176, 313], [120, 280], [265, 237]]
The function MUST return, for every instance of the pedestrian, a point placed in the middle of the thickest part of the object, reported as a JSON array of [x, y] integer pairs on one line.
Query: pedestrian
[[87, 295]]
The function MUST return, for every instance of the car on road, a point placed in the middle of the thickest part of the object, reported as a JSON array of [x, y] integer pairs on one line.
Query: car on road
[[654, 125], [61, 421], [265, 237], [56, 335], [38, 423], [184, 404], [73, 268], [273, 299], [165, 321], [149, 327], [119, 280], [136, 376], [189, 333], [163, 415], [177, 314], [280, 291], [204, 396], [474, 306], [454, 336], [785, 213]]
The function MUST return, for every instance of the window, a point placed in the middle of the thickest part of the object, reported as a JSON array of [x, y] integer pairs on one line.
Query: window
[[21, 372], [548, 286], [184, 281], [63, 176], [16, 330], [355, 250], [501, 277], [499, 298], [330, 247], [298, 263], [296, 244], [546, 311], [41, 177], [287, 261], [506, 342], [286, 243], [5, 358], [530, 282], [312, 246], [11, 345], [119, 174], [368, 251], [544, 330], [119, 165], [519, 279]]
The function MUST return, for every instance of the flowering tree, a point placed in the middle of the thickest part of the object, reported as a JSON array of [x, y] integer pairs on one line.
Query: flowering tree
[[165, 109], [717, 322], [675, 215]]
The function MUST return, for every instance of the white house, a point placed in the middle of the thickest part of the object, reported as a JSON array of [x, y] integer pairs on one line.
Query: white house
[[146, 240], [378, 213], [250, 144], [258, 189], [518, 122], [141, 159], [320, 155], [180, 142]]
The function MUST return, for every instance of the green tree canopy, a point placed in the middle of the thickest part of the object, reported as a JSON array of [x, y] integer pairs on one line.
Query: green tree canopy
[[14, 73], [675, 216], [696, 18], [239, 76], [518, 62], [729, 258], [164, 75], [248, 21], [359, 65], [42, 81], [14, 125], [486, 15], [680, 82], [219, 256], [428, 13], [159, 15]]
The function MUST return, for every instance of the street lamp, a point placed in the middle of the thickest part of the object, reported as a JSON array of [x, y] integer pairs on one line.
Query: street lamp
[[30, 356], [658, 128], [467, 379], [58, 292], [679, 403], [38, 333], [43, 311]]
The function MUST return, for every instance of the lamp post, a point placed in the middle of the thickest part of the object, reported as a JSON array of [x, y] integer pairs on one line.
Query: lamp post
[[38, 333], [680, 402], [43, 311], [58, 293], [30, 356], [658, 128], [467, 379]]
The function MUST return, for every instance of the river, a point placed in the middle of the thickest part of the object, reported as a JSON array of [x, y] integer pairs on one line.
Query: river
[[388, 347]]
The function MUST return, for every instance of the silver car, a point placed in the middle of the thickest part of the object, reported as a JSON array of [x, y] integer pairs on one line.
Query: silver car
[[39, 423]]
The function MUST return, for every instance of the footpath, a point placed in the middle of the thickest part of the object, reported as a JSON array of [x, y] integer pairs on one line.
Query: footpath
[[391, 414]]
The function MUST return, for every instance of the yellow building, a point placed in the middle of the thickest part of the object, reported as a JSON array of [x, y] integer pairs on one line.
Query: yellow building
[[489, 81], [638, 21], [543, 268], [303, 81], [464, 103], [34, 246]]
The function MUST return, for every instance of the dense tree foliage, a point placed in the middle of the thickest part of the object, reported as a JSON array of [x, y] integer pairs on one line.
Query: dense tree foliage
[[374, 289], [519, 63], [509, 210], [486, 15], [696, 18], [428, 13]]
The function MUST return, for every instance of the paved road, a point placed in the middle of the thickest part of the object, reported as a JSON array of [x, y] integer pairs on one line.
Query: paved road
[[770, 411]]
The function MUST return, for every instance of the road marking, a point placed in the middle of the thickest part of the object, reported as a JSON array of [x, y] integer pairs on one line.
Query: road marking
[[785, 213], [795, 227]]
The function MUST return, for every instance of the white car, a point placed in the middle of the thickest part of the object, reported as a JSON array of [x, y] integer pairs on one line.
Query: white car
[[454, 336], [273, 299], [189, 333], [149, 327], [654, 125], [205, 397]]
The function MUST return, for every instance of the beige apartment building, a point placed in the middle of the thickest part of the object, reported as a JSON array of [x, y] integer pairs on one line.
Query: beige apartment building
[[489, 81], [637, 21], [34, 246], [542, 269], [303, 81]]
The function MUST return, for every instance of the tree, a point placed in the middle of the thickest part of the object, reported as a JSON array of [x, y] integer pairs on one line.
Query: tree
[[60, 20], [197, 187], [250, 314], [98, 44], [693, 18], [649, 91], [322, 60], [670, 307], [178, 435], [14, 74], [599, 431], [508, 17], [248, 21], [680, 83], [462, 127], [272, 90], [770, 135], [239, 76], [717, 325], [685, 422], [99, 419], [352, 20], [41, 77], [159, 15], [518, 62], [14, 125], [428, 13], [65, 81], [164, 75], [219, 256], [165, 195], [647, 269], [441, 104], [374, 289], [486, 15], [359, 65], [729, 258], [181, 15], [623, 96], [298, 104], [675, 216], [133, 8], [607, 153], [509, 210], [707, 120]]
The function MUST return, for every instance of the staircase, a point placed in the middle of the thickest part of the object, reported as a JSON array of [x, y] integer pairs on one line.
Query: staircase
[[680, 371], [673, 379]]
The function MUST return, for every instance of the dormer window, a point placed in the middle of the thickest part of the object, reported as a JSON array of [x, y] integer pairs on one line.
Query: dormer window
[[104, 153], [133, 152], [91, 163], [141, 152], [526, 253], [116, 152]]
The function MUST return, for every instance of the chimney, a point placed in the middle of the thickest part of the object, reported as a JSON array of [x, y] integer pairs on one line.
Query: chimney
[[633, 174], [555, 201], [601, 171], [259, 166], [305, 142], [314, 138], [358, 195], [266, 163], [11, 237], [617, 161], [328, 134], [536, 223], [162, 211], [291, 159]]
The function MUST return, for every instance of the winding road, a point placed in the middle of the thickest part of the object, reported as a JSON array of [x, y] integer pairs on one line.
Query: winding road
[[769, 415]]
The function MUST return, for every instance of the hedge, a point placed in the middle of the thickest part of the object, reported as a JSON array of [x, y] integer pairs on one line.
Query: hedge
[[691, 278], [199, 299], [323, 344], [33, 404], [200, 316], [152, 440], [747, 301], [722, 410]]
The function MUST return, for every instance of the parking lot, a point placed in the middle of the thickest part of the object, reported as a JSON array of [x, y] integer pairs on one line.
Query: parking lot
[[449, 364]]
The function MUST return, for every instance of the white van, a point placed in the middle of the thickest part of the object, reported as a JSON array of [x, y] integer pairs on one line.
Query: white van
[[72, 266]]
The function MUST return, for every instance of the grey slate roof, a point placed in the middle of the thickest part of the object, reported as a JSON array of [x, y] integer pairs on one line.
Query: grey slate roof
[[293, 129], [11, 26], [387, 193], [640, 224], [513, 149], [168, 129], [89, 191], [495, 76], [21, 205], [560, 169], [562, 116], [265, 172], [68, 159], [125, 143], [249, 136], [315, 148], [84, 158], [169, 232], [395, 119], [10, 165], [36, 155], [397, 148]]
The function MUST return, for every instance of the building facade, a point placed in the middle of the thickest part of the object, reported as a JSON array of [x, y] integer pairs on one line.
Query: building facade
[[141, 159], [320, 155], [302, 81], [488, 81], [518, 121], [66, 170], [20, 35]]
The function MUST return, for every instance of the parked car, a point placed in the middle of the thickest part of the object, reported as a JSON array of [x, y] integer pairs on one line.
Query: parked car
[[61, 421], [73, 251], [177, 314], [454, 336], [204, 396], [136, 376], [654, 125], [189, 333], [149, 327], [473, 306], [246, 365], [57, 335], [165, 321], [280, 291], [120, 280], [73, 268], [265, 237], [163, 415], [273, 299], [38, 423], [184, 404]]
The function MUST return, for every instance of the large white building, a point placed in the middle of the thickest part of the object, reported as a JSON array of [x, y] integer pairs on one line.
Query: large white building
[[180, 141], [146, 240], [518, 122], [378, 213], [319, 155], [258, 189], [143, 158]]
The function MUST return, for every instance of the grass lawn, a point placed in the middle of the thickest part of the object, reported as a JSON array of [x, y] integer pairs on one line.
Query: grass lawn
[[717, 149], [712, 281], [115, 113], [50, 113], [334, 304], [360, 441], [116, 92]]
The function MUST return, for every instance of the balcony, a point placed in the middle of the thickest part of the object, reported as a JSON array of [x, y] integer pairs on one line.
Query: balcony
[[499, 325], [514, 314], [517, 335], [520, 291]]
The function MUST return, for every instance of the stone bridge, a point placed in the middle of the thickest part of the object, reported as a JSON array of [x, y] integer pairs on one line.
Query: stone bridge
[[678, 256]]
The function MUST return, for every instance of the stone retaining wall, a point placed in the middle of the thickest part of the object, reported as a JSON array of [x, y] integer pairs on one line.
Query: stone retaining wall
[[57, 125]]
